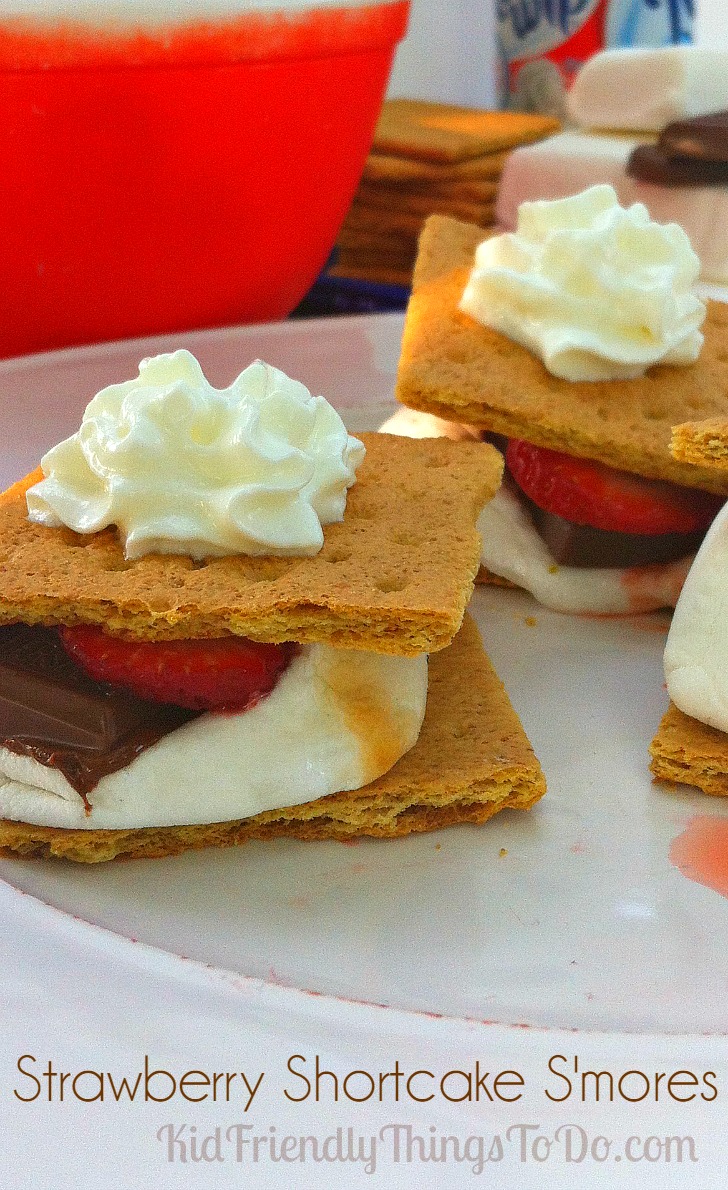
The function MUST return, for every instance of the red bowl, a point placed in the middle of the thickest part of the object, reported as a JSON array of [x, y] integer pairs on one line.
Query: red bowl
[[187, 177]]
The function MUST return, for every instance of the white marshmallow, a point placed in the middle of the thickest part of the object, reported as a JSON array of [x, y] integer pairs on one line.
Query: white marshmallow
[[568, 163], [642, 90], [559, 166], [697, 645]]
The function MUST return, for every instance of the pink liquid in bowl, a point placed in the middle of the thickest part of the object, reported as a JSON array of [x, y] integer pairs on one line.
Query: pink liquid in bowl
[[173, 177]]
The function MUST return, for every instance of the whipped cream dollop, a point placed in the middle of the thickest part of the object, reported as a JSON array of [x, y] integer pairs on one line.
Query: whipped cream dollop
[[697, 645], [182, 467], [513, 549], [336, 720], [597, 291]]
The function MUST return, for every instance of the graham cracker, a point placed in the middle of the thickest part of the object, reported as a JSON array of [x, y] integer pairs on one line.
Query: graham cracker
[[357, 232], [688, 752], [393, 170], [379, 267], [701, 443], [474, 191], [471, 760], [397, 251], [393, 577], [440, 132], [428, 204], [452, 366], [381, 272], [393, 247], [366, 219], [469, 190]]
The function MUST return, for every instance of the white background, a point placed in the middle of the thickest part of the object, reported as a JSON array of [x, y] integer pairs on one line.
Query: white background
[[449, 53]]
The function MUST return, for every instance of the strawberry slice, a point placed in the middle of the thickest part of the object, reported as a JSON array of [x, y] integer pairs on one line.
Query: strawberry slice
[[224, 674], [590, 493]]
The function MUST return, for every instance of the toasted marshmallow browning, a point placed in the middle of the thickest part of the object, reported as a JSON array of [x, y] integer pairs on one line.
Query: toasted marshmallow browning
[[697, 645], [182, 467], [335, 721], [596, 291]]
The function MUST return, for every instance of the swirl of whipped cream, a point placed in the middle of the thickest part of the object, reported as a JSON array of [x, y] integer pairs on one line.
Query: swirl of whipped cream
[[182, 467], [597, 291]]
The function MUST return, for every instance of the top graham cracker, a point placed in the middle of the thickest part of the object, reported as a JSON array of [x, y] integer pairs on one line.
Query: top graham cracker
[[393, 577], [456, 368], [441, 133]]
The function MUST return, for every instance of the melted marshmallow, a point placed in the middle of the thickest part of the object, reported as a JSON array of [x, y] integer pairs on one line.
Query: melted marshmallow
[[596, 291], [514, 549], [697, 645], [182, 467], [336, 719]]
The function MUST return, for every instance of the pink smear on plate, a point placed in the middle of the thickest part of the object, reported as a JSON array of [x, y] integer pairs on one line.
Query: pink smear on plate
[[701, 852]]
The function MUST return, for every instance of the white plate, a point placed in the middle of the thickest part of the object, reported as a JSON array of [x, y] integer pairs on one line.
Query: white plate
[[584, 922]]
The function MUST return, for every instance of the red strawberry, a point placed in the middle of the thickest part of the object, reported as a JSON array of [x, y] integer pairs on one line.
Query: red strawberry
[[225, 674], [590, 493]]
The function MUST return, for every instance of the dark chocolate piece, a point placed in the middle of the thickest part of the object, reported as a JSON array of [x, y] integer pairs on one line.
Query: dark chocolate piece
[[51, 710], [581, 545], [652, 163], [704, 138]]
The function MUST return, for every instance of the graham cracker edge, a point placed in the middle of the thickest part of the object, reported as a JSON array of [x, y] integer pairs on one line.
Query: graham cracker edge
[[687, 752], [701, 443], [25, 841]]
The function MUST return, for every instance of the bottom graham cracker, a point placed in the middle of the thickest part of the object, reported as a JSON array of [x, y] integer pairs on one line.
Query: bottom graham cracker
[[688, 752]]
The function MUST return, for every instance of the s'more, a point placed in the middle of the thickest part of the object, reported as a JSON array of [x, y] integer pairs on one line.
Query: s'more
[[576, 343], [224, 618]]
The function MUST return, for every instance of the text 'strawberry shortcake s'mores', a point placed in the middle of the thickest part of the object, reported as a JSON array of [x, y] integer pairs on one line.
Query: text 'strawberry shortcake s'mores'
[[691, 745], [581, 341], [216, 611]]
